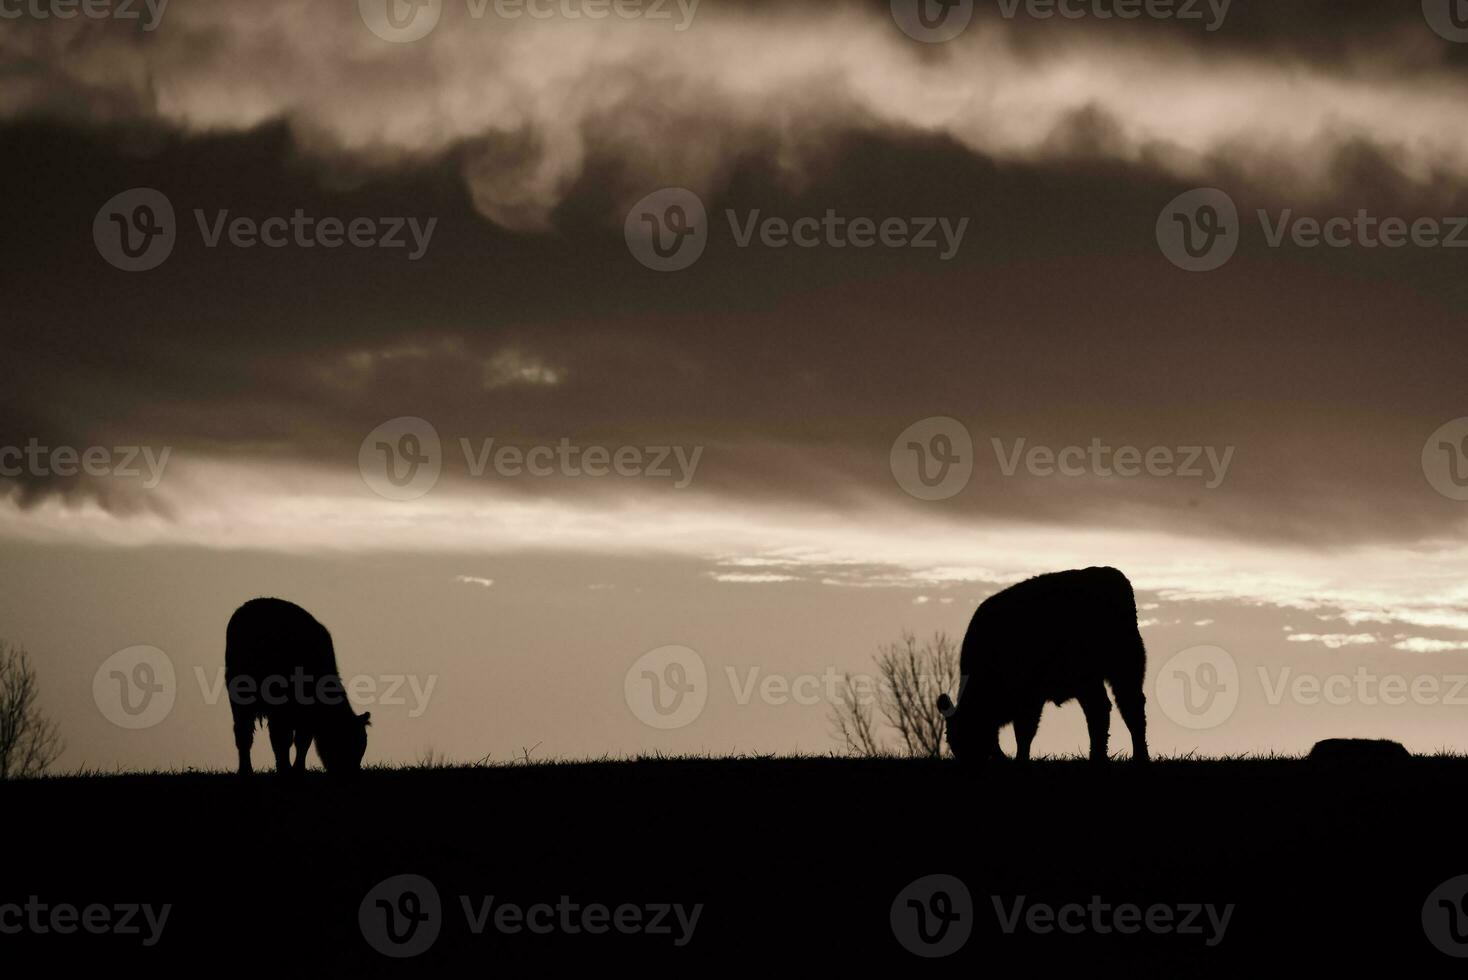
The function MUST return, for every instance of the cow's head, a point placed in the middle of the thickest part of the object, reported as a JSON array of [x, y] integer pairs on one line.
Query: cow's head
[[342, 743], [969, 737]]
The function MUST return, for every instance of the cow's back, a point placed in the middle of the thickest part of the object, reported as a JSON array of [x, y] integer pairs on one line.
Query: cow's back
[[1057, 625], [273, 637]]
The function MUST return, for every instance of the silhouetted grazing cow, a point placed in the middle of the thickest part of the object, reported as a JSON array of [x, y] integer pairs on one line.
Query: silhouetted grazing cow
[[1051, 638], [279, 667]]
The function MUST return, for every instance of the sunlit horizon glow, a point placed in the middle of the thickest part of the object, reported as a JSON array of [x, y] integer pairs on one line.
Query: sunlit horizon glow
[[883, 544]]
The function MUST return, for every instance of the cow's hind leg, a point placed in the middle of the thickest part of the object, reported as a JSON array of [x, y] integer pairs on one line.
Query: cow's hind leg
[[1026, 723], [1130, 701], [303, 744], [281, 732], [1097, 707], [1127, 680]]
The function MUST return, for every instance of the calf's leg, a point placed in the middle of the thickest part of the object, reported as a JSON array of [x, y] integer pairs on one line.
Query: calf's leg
[[1097, 707]]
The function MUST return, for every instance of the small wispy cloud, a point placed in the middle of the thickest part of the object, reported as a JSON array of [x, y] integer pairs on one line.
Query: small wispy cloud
[[1422, 644], [1334, 640], [513, 367], [752, 577], [474, 580], [1203, 622]]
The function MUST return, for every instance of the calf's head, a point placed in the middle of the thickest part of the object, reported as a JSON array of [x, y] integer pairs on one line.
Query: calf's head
[[342, 743]]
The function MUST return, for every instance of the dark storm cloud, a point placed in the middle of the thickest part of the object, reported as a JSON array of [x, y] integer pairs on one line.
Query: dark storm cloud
[[1058, 322]]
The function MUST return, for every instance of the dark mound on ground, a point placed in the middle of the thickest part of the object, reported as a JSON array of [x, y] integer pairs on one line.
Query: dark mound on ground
[[1358, 750]]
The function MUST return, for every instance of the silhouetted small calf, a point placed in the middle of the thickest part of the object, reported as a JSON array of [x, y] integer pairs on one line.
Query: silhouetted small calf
[[1358, 750], [1051, 638], [279, 667]]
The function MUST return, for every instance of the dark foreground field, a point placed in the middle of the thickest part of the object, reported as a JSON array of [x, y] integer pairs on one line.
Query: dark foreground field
[[796, 864]]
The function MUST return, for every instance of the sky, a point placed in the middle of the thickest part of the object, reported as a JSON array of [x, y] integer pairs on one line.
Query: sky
[[539, 349]]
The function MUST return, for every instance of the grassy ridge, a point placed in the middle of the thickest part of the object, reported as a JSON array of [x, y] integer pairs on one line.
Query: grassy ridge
[[790, 859]]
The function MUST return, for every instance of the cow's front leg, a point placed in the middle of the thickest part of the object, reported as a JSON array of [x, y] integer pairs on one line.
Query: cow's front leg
[[303, 744], [280, 743], [1097, 707], [1026, 723], [244, 737]]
